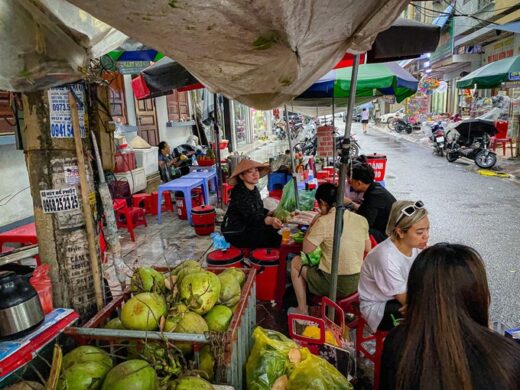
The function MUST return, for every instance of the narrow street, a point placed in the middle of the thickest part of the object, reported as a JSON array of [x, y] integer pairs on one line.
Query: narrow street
[[482, 212]]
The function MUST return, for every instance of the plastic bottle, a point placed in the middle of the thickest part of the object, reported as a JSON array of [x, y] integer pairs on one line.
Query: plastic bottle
[[194, 161]]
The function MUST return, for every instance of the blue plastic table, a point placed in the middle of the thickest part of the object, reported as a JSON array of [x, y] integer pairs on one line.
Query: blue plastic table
[[184, 185], [207, 176]]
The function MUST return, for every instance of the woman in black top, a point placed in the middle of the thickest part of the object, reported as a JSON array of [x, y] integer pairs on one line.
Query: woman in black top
[[247, 224], [445, 342]]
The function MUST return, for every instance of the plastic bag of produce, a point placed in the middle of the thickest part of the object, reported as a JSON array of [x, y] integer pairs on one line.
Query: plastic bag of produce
[[313, 258], [313, 372], [306, 200], [287, 202], [268, 359]]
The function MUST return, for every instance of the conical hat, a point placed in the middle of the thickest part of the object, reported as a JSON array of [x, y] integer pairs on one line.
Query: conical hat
[[245, 165], [139, 143]]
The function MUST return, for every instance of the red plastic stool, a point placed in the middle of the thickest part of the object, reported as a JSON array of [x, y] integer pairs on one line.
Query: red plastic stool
[[226, 193], [143, 201], [197, 199], [166, 206], [129, 218]]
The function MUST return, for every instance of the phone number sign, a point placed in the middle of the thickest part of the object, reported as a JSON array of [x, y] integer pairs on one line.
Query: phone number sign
[[59, 111], [54, 201]]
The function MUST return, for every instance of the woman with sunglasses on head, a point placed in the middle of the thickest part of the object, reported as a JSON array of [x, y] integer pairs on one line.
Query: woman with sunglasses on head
[[384, 274], [445, 341]]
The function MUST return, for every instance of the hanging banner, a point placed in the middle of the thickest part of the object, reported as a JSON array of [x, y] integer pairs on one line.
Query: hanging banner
[[59, 111]]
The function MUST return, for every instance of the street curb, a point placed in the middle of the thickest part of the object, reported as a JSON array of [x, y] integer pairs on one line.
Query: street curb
[[474, 168]]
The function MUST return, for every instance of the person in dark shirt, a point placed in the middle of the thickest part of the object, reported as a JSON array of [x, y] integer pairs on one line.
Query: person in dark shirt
[[377, 200], [445, 341], [247, 223]]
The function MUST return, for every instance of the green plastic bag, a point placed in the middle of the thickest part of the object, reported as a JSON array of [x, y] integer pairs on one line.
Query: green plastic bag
[[268, 359], [306, 200], [313, 258], [287, 202], [314, 372]]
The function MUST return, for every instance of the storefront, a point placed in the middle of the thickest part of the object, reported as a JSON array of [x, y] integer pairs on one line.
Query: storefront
[[241, 122]]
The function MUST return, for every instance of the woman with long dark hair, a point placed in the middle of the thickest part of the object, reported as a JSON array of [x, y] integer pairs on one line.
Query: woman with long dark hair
[[445, 342]]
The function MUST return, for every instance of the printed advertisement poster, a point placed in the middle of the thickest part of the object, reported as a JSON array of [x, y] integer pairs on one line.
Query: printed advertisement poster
[[59, 111], [54, 201]]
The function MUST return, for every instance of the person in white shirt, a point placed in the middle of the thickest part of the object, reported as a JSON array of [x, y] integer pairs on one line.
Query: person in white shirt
[[364, 119], [384, 273]]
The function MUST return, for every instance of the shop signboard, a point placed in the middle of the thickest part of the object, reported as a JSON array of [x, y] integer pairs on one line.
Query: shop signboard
[[131, 67], [513, 76]]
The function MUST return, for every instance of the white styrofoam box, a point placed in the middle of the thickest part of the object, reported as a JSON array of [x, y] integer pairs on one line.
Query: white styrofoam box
[[148, 159], [136, 179]]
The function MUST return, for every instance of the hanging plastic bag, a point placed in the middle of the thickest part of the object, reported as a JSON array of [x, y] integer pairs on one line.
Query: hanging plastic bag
[[42, 283], [313, 258], [313, 372], [306, 200], [268, 359], [287, 202]]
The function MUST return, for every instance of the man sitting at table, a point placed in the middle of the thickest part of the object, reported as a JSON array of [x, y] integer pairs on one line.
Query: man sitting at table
[[171, 167], [354, 242], [377, 200]]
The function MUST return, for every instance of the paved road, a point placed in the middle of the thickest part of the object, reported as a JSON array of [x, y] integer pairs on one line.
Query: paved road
[[482, 212]]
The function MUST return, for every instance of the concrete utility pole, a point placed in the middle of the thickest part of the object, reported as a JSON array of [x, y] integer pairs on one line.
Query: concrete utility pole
[[50, 156]]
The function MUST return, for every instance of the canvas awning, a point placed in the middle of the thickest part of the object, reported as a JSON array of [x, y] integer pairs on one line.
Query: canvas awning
[[46, 43], [263, 52]]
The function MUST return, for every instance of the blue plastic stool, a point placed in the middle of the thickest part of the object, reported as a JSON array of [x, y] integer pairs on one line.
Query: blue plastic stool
[[185, 186], [276, 179]]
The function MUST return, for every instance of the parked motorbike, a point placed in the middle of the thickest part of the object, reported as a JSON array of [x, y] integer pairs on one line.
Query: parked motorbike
[[279, 132], [471, 140], [439, 138], [400, 125]]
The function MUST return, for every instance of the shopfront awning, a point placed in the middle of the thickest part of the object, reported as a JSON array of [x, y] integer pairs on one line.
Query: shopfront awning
[[493, 75]]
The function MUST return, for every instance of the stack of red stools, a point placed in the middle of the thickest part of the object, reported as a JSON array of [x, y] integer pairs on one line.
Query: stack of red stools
[[166, 206], [226, 193]]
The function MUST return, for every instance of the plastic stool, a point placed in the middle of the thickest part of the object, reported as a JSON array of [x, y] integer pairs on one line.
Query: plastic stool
[[277, 180], [143, 201], [166, 206], [130, 217], [226, 192]]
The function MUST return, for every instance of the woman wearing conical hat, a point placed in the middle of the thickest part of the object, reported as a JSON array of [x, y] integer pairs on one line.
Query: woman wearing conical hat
[[247, 223]]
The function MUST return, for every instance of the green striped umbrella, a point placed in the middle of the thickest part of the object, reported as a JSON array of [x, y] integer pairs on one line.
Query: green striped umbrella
[[493, 74]]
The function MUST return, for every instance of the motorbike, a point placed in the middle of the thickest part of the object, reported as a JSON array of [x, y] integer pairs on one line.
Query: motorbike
[[472, 140], [400, 125], [439, 138]]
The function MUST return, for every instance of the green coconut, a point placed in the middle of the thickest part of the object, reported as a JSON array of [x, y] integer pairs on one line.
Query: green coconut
[[218, 318], [191, 323], [86, 354], [146, 279], [200, 291], [189, 269], [83, 376], [190, 383], [143, 311], [239, 275], [188, 264], [207, 362], [114, 323], [230, 289], [175, 315], [134, 374]]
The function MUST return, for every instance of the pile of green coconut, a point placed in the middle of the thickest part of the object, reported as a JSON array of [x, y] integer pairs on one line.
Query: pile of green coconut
[[188, 299]]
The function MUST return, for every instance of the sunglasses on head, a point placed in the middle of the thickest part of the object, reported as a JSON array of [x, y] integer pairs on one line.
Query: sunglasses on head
[[410, 210]]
